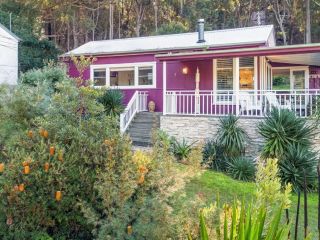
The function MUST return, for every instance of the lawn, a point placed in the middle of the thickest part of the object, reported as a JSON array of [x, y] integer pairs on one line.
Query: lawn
[[210, 184]]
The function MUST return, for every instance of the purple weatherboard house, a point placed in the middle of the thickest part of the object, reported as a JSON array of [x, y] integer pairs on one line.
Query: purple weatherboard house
[[205, 74]]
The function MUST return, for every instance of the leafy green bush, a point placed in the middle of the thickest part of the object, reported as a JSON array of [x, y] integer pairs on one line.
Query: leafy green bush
[[213, 156], [181, 150], [281, 129], [297, 164], [51, 74], [231, 136], [241, 168], [19, 107], [80, 178], [112, 100]]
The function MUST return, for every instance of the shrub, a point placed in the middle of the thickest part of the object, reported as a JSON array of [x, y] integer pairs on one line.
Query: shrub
[[282, 128], [231, 136], [195, 157], [112, 100], [296, 164], [19, 107], [269, 190], [181, 150], [213, 156], [245, 222], [52, 73], [241, 168], [106, 191]]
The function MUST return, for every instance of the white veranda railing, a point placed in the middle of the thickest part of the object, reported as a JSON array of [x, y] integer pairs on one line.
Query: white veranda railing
[[138, 103], [251, 103]]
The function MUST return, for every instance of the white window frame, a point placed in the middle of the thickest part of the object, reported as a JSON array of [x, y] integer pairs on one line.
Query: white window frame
[[236, 77], [126, 65], [292, 69]]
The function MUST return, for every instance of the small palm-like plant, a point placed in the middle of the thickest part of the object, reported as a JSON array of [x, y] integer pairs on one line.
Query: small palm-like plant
[[241, 168], [231, 136], [182, 149], [112, 100], [282, 128], [297, 164]]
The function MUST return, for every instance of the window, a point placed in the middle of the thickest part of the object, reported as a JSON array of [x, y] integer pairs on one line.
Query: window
[[145, 76], [298, 79], [121, 77], [280, 79], [246, 73], [225, 74], [127, 75], [99, 77]]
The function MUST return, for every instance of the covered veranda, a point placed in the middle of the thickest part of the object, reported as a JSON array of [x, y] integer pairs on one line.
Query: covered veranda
[[245, 82]]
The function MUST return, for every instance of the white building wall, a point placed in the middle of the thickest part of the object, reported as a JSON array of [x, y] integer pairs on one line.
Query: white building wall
[[8, 58]]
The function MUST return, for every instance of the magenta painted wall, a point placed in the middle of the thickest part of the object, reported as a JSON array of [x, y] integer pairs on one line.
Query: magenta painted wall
[[175, 79]]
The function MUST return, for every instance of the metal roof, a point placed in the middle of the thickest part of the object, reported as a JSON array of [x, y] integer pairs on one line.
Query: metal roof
[[9, 32], [263, 35], [297, 50]]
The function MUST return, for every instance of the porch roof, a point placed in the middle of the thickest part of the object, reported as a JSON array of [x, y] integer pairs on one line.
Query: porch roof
[[304, 54]]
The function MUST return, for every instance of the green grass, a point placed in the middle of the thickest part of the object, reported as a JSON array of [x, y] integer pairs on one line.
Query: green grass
[[209, 185]]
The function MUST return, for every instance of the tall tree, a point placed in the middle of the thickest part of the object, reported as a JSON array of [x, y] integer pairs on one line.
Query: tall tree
[[308, 22]]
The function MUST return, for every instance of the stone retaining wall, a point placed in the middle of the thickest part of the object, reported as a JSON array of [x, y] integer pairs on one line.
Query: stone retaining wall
[[202, 128]]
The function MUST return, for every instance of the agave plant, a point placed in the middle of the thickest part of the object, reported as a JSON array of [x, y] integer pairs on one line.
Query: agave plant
[[181, 149], [297, 164], [213, 155], [241, 168], [282, 128], [231, 136], [112, 100]]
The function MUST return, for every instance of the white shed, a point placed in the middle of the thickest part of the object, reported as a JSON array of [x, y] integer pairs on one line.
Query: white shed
[[8, 56]]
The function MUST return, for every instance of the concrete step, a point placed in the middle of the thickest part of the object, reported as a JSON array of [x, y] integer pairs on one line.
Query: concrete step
[[142, 127]]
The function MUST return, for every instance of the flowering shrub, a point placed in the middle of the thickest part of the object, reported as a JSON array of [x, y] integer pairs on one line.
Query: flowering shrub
[[71, 175]]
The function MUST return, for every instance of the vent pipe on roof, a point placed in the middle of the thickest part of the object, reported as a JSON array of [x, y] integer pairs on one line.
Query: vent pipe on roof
[[201, 31]]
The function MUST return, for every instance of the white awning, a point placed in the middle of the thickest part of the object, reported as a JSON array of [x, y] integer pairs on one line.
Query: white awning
[[301, 59]]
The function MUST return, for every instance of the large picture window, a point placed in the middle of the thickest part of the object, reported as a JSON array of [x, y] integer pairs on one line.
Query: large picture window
[[121, 77], [280, 79], [286, 78], [125, 76]]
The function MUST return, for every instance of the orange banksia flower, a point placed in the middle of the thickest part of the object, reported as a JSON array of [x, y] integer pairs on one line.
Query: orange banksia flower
[[129, 229], [46, 167], [21, 187], [143, 169], [58, 196], [26, 169], [45, 134], [30, 134], [1, 167], [52, 149], [41, 132]]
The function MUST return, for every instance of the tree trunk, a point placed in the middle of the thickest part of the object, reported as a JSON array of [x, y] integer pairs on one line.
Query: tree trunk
[[308, 22], [156, 15], [74, 31], [111, 20]]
